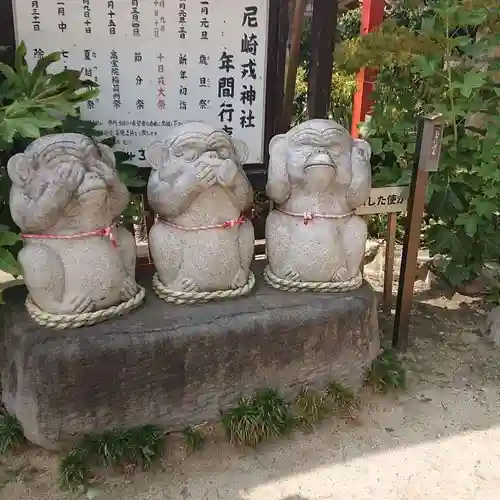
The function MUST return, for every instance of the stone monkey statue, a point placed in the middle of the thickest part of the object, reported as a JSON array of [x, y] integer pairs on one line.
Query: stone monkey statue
[[318, 176], [197, 186], [65, 196]]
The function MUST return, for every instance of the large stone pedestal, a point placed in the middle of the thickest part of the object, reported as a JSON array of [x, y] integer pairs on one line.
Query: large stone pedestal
[[179, 365]]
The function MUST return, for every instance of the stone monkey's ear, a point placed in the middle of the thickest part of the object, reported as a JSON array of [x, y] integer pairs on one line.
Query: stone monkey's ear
[[157, 154], [278, 185], [21, 168], [241, 149], [107, 155], [361, 150]]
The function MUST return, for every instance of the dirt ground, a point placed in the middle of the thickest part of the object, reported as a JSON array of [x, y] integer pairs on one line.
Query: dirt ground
[[440, 439]]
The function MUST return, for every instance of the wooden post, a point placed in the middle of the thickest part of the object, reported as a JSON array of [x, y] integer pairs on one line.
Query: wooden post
[[390, 242], [323, 31], [7, 37], [427, 154], [372, 15], [293, 62]]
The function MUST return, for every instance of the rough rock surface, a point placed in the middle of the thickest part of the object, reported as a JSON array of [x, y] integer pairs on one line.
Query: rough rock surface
[[176, 366], [492, 327]]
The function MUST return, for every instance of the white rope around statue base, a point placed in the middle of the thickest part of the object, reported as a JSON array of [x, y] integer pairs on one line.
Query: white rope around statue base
[[179, 298], [311, 286], [66, 321]]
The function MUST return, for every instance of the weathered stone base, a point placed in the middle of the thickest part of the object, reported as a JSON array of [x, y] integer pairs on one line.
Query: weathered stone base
[[179, 365]]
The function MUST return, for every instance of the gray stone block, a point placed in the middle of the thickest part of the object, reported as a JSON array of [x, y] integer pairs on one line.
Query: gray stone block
[[179, 365]]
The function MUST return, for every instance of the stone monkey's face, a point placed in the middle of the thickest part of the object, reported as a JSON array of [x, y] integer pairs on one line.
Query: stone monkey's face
[[81, 157], [200, 150], [319, 159]]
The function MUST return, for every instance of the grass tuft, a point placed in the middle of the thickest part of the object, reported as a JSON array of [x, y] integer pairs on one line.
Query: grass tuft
[[194, 438], [74, 470], [139, 446], [310, 407], [387, 372], [254, 419], [11, 432], [341, 397], [343, 400]]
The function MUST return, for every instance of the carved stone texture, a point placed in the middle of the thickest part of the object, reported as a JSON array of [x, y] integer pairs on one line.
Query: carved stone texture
[[65, 196], [318, 175], [175, 366], [199, 190]]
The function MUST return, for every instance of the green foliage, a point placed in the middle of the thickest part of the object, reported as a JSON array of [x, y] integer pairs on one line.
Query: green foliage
[[11, 433], [310, 407], [32, 102], [74, 470], [254, 419], [387, 372], [341, 397], [441, 61], [194, 438], [140, 446]]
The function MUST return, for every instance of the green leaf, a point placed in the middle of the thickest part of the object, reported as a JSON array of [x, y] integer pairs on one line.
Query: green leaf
[[25, 127], [45, 121], [8, 263], [20, 64], [7, 130], [8, 72], [469, 221], [37, 76], [472, 17], [7, 238], [473, 79], [376, 144], [428, 24]]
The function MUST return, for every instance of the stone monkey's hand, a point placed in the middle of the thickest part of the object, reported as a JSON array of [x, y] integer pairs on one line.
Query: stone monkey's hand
[[206, 176], [108, 174], [227, 173], [68, 176]]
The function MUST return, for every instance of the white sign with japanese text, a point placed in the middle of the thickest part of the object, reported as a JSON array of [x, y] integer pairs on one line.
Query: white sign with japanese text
[[159, 63], [385, 200]]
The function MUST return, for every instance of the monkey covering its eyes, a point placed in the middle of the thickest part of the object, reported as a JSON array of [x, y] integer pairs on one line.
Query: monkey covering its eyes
[[65, 196]]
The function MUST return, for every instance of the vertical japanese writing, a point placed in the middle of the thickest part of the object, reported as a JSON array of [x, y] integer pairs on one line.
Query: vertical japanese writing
[[35, 16], [160, 96], [89, 72], [205, 21], [115, 79], [65, 57], [38, 53], [136, 19], [111, 17], [249, 45], [61, 14], [182, 20], [87, 15], [203, 62], [139, 103], [225, 91], [183, 89], [170, 61], [159, 17]]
